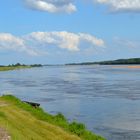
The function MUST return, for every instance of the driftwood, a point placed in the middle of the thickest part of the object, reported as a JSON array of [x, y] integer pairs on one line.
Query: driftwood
[[36, 105]]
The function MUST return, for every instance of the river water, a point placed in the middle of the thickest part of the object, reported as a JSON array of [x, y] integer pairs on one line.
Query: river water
[[105, 98]]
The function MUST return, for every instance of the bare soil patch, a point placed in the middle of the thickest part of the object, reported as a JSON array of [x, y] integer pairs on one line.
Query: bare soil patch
[[4, 135]]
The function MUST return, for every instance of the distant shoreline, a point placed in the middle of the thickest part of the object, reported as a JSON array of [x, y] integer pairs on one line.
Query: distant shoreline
[[18, 66], [131, 61]]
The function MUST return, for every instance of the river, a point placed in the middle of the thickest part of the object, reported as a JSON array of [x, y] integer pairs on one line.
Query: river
[[105, 98]]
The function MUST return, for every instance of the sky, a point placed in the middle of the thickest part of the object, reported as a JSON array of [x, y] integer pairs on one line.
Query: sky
[[68, 31]]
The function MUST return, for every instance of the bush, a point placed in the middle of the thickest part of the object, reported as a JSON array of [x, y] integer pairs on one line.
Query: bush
[[77, 128]]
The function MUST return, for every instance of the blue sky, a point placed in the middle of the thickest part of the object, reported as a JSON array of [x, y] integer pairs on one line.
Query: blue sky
[[65, 31]]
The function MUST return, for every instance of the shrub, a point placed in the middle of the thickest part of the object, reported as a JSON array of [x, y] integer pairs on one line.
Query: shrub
[[77, 128]]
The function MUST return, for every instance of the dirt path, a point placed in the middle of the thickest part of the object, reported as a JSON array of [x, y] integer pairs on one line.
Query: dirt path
[[4, 135], [3, 104]]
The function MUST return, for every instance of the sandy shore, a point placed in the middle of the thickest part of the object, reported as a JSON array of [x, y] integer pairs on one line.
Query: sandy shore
[[128, 66]]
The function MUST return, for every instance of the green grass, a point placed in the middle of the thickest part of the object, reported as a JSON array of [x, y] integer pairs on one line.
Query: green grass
[[25, 122], [6, 68], [2, 115]]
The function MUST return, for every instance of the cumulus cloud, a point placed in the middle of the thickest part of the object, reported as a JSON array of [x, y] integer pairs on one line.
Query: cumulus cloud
[[64, 40], [11, 42], [52, 6], [91, 39], [38, 43], [122, 5], [68, 6]]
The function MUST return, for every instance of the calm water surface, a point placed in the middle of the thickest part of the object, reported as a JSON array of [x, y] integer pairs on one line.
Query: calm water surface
[[105, 98]]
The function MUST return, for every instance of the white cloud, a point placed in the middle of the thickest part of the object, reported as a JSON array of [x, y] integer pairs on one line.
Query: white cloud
[[52, 6], [68, 6], [38, 43], [122, 5], [11, 42], [64, 40], [92, 39]]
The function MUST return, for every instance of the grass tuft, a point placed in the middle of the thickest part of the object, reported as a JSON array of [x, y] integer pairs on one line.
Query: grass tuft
[[77, 128], [2, 115]]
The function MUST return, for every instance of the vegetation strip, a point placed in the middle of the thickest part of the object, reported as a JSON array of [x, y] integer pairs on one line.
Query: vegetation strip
[[130, 61], [18, 66]]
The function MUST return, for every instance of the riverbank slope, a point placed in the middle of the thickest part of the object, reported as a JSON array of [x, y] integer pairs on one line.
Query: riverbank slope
[[23, 122]]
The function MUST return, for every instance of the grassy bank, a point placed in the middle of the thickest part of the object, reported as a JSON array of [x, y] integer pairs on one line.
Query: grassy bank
[[24, 122], [6, 68], [18, 66]]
